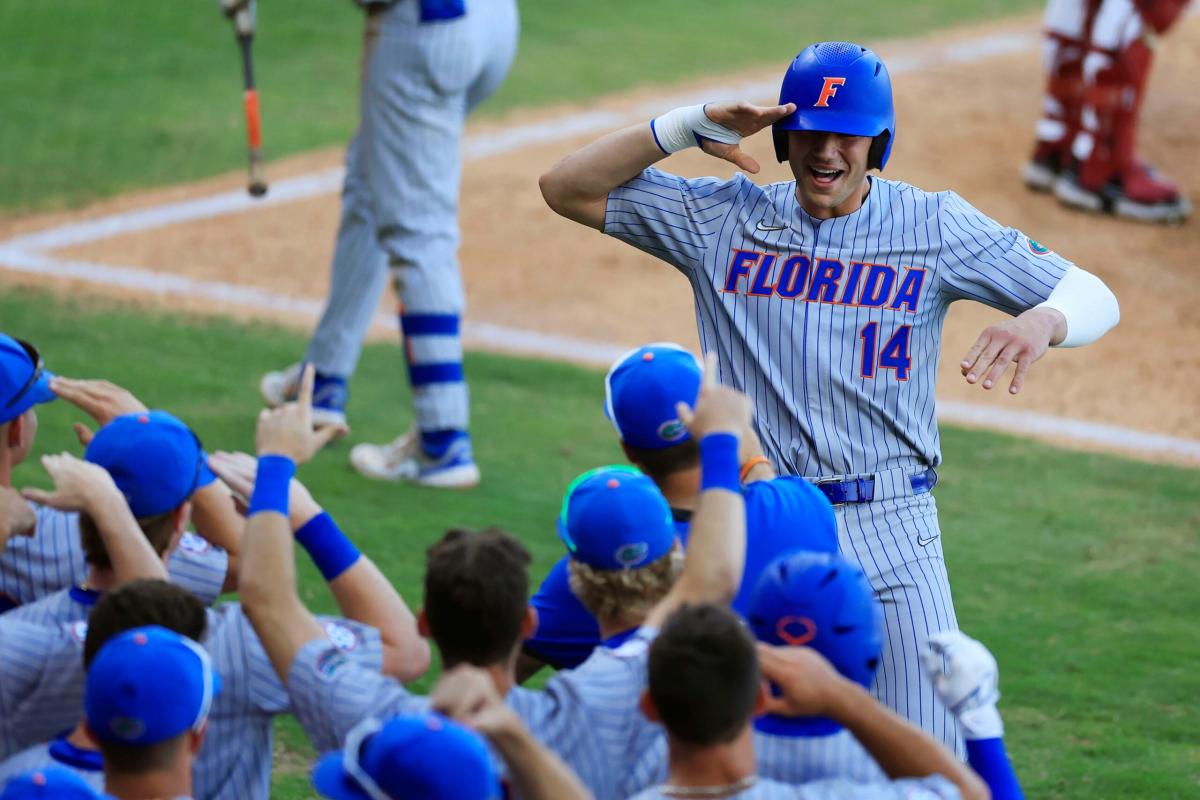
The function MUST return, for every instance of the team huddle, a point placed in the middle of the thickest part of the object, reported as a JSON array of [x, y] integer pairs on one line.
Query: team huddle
[[756, 605]]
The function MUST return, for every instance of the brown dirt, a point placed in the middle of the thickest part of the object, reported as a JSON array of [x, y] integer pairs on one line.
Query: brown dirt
[[962, 126]]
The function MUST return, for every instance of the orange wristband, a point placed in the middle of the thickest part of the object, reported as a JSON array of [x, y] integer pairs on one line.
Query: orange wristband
[[750, 464]]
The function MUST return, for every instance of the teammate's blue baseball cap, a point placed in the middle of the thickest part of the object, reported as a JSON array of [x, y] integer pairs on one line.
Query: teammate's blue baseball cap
[[52, 783], [155, 460], [147, 685], [825, 602], [641, 390], [411, 757], [24, 382], [615, 518]]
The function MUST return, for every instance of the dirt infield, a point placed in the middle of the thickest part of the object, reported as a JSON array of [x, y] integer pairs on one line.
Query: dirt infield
[[964, 126]]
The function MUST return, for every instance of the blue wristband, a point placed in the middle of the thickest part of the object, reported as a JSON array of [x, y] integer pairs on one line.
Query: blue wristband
[[271, 485], [719, 462], [327, 546]]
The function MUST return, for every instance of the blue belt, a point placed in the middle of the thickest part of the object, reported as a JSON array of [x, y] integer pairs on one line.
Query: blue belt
[[862, 490]]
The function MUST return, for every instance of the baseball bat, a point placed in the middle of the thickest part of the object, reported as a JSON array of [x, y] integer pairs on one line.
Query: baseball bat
[[257, 184]]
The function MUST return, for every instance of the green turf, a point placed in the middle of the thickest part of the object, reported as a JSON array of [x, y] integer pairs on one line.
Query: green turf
[[98, 98], [1077, 569]]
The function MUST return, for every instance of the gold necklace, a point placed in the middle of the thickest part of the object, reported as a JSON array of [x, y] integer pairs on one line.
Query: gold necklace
[[709, 791]]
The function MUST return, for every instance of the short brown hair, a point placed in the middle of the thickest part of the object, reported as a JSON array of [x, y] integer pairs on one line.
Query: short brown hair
[[139, 603], [476, 593], [658, 464], [158, 529], [626, 595]]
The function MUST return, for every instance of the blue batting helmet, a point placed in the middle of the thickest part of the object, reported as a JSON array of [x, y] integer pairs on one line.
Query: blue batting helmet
[[822, 601], [839, 87]]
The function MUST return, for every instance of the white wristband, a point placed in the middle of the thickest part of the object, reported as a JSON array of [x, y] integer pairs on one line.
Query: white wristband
[[684, 127], [1090, 307]]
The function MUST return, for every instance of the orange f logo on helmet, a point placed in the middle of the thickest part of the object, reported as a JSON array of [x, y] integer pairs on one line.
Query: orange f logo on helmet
[[827, 91]]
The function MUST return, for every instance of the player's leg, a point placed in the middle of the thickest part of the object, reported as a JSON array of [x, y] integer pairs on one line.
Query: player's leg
[[1106, 174], [898, 545], [1066, 23], [415, 100]]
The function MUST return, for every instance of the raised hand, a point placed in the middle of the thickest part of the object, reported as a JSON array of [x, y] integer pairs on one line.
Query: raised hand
[[719, 409], [744, 119], [807, 682], [1022, 339], [467, 694], [16, 517], [288, 431], [103, 401], [78, 485], [239, 470]]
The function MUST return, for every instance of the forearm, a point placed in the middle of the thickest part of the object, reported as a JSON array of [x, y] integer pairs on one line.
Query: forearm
[[364, 594], [900, 748], [130, 552], [1088, 309], [578, 185], [216, 519], [536, 772]]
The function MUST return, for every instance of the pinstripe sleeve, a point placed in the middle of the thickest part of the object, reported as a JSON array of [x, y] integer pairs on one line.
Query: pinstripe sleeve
[[667, 216], [980, 259], [331, 693], [41, 682], [199, 567]]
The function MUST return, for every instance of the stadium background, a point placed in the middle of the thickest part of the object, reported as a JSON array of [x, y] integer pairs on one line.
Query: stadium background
[[1075, 567]]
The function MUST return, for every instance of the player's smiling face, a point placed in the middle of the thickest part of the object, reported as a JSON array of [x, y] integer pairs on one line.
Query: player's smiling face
[[830, 171]]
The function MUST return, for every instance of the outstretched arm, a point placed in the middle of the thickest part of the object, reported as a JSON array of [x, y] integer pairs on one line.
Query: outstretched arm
[[812, 687], [577, 187]]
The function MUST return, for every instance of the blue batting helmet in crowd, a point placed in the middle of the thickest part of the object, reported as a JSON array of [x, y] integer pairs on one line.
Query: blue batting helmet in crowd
[[839, 87], [822, 601]]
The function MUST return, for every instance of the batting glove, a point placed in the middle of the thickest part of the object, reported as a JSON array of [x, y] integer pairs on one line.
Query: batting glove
[[966, 678]]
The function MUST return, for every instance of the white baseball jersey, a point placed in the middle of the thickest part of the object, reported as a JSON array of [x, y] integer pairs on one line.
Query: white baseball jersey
[[53, 560], [235, 762], [833, 327], [60, 754], [787, 759], [588, 716], [41, 682], [931, 788]]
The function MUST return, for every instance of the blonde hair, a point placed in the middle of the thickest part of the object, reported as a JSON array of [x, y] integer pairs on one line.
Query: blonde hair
[[625, 595]]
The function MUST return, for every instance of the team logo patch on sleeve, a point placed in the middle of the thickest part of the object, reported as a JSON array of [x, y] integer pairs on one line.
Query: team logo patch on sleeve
[[192, 543], [343, 637], [330, 661], [1037, 248], [79, 631]]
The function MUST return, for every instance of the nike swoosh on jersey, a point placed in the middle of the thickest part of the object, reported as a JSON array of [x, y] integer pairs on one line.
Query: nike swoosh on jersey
[[762, 227], [923, 541]]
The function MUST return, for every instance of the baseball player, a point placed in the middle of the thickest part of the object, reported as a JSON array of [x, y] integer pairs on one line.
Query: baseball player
[[709, 733], [824, 299], [476, 589], [1097, 61], [642, 390], [53, 559], [134, 605], [426, 65]]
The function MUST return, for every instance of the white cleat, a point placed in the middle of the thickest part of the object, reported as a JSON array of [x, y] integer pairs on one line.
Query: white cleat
[[403, 460], [329, 397]]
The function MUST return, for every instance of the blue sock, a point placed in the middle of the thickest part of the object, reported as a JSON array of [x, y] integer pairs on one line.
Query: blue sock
[[436, 443]]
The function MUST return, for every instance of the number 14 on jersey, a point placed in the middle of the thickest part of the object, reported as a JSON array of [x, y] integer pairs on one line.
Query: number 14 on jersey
[[893, 355]]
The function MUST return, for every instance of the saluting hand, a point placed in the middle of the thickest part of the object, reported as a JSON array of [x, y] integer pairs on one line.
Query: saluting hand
[[745, 119]]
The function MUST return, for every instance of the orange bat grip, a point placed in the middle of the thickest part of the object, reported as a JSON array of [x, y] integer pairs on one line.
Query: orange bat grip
[[253, 128]]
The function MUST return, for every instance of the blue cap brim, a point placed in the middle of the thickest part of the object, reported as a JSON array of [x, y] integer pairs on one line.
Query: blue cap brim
[[38, 393], [795, 727], [331, 780]]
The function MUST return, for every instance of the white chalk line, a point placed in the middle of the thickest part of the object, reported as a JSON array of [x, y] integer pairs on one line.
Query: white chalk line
[[28, 254]]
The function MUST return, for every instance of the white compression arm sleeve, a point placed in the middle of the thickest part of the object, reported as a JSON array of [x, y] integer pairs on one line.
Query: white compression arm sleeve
[[1090, 307], [681, 128]]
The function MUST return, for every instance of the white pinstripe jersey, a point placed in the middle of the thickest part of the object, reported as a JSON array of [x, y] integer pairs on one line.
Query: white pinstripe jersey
[[42, 757], [235, 762], [786, 759], [931, 788], [41, 682], [588, 716], [53, 560], [833, 327]]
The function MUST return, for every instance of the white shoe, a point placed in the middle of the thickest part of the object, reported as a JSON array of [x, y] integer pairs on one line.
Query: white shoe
[[329, 400], [403, 460]]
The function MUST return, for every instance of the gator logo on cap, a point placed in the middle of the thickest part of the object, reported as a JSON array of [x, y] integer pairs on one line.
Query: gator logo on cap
[[1037, 248], [672, 430], [629, 555], [127, 728]]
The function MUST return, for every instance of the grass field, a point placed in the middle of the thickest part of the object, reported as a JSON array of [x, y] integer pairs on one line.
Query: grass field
[[1077, 569], [99, 98]]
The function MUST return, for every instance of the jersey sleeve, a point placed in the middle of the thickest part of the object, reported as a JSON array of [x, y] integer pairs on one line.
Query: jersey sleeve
[[980, 259], [331, 692], [566, 633], [668, 216], [50, 561], [199, 567], [934, 787], [41, 682]]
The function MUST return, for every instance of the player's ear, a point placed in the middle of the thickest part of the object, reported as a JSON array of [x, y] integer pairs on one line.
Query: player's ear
[[423, 624], [529, 624], [196, 738], [647, 707], [12, 432]]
